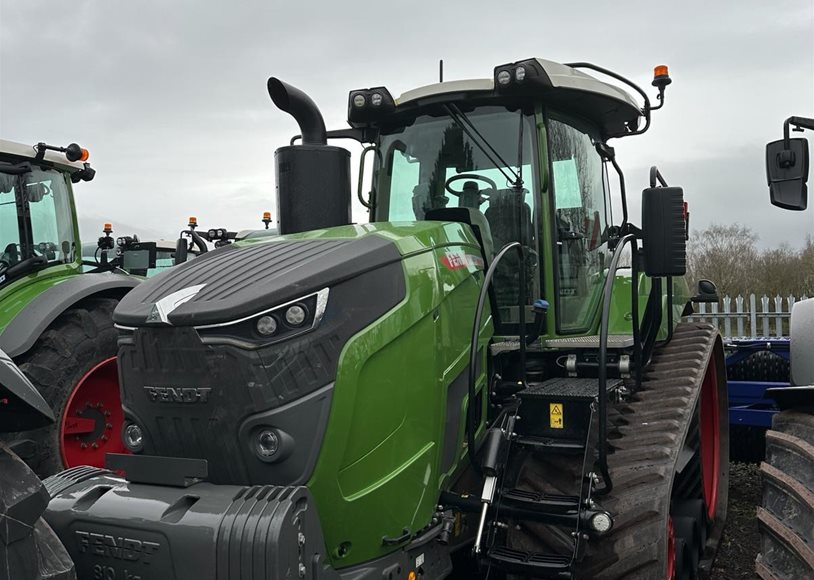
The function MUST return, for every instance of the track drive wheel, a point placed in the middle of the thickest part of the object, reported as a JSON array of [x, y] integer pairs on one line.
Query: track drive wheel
[[73, 365], [786, 518], [669, 465], [29, 549]]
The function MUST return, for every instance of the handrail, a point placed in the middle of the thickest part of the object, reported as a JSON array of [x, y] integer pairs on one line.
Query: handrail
[[603, 349]]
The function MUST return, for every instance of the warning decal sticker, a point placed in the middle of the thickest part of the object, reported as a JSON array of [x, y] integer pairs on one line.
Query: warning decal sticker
[[555, 416]]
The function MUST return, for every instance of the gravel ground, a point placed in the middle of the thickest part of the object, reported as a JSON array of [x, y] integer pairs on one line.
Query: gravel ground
[[741, 541]]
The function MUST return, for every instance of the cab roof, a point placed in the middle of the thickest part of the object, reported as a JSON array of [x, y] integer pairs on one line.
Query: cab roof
[[24, 152]]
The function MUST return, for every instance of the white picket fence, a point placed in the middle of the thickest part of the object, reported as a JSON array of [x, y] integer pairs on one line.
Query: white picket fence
[[752, 317]]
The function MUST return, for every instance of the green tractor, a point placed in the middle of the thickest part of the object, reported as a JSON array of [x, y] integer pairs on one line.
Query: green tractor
[[55, 321], [470, 383], [786, 518]]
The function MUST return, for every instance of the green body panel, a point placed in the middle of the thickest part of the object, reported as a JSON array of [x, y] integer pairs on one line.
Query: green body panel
[[379, 469], [19, 294]]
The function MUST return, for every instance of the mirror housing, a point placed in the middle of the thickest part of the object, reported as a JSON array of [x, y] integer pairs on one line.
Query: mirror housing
[[664, 231], [787, 173]]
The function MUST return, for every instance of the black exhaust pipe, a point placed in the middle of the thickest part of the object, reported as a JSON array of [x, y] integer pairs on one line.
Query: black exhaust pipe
[[300, 106], [313, 179]]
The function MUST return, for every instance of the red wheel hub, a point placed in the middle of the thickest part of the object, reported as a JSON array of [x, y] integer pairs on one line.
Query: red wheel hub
[[671, 549], [710, 439], [91, 423]]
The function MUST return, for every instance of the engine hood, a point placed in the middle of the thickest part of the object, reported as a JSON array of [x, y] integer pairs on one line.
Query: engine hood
[[242, 279]]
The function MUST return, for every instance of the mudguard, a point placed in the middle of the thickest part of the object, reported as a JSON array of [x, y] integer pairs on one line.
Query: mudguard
[[800, 394], [31, 322], [21, 405]]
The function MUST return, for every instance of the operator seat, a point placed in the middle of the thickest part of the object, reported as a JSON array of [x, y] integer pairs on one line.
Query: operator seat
[[509, 217], [11, 254], [473, 217]]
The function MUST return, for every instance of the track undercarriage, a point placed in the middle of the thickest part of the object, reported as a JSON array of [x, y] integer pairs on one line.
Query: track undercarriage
[[667, 497]]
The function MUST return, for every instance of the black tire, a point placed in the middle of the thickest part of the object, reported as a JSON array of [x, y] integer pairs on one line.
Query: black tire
[[78, 340], [29, 549], [786, 517]]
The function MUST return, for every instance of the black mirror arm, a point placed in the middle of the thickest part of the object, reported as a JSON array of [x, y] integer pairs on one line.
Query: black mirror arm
[[799, 123]]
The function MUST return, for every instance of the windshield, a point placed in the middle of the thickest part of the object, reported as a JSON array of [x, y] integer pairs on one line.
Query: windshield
[[35, 218], [444, 162]]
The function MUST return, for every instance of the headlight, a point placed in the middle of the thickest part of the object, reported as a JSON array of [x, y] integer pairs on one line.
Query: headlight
[[359, 101], [133, 437], [504, 77], [273, 325], [519, 74]]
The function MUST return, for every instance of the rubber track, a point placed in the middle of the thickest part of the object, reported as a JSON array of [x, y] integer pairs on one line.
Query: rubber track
[[646, 434], [786, 519]]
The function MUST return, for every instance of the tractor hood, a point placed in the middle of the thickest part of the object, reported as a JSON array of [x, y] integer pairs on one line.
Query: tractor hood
[[242, 280]]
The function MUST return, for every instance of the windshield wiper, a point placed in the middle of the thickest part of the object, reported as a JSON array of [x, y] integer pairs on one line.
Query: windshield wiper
[[466, 124]]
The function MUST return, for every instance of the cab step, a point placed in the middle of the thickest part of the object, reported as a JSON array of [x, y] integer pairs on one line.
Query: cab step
[[531, 565], [551, 445], [540, 502]]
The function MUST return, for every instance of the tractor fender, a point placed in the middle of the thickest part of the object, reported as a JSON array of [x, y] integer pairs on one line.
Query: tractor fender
[[21, 334], [801, 392], [21, 405]]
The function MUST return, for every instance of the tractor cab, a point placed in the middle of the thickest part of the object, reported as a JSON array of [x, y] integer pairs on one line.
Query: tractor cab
[[521, 157], [37, 225]]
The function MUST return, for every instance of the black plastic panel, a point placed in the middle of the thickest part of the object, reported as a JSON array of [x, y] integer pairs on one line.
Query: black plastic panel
[[194, 399], [241, 281], [664, 231]]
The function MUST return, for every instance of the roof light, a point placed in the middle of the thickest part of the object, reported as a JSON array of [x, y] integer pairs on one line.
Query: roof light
[[519, 74], [376, 99], [193, 222], [107, 228], [359, 101], [504, 77], [661, 76], [266, 215]]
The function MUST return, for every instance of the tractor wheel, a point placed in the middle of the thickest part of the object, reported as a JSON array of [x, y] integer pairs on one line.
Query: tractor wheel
[[73, 365], [669, 466], [29, 549], [786, 518]]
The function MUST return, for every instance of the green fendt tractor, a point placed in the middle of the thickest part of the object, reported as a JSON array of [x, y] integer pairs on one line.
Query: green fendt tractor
[[55, 321], [470, 382], [786, 518]]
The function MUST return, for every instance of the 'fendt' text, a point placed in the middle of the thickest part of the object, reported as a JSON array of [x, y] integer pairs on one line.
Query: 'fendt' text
[[177, 394]]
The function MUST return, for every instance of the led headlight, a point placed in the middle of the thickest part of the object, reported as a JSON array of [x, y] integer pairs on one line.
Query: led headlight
[[266, 325], [266, 444], [295, 315], [504, 77], [519, 74], [376, 99], [601, 523], [359, 101], [133, 437]]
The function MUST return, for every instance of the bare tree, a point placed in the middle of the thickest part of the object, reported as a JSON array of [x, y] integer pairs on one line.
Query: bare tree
[[725, 254]]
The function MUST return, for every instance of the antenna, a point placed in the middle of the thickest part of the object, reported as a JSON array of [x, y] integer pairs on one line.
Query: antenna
[[441, 71]]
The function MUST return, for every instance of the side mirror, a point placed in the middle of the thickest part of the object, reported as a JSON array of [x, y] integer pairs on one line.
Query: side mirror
[[707, 292], [787, 173], [181, 250], [664, 231]]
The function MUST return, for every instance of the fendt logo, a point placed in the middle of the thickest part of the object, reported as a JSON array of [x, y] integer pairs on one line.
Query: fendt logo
[[184, 395], [116, 547]]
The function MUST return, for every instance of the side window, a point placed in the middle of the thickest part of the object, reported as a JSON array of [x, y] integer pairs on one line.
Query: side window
[[9, 225], [581, 220], [51, 221]]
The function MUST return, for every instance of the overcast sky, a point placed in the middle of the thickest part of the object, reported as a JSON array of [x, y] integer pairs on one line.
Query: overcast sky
[[170, 96]]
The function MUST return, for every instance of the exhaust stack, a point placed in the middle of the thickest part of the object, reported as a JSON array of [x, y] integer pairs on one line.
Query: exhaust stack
[[313, 179]]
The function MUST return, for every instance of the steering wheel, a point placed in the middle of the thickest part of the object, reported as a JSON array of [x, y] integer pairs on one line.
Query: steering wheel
[[474, 176]]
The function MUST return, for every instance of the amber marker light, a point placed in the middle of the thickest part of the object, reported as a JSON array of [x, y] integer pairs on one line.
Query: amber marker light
[[108, 228], [661, 76], [193, 221], [85, 155]]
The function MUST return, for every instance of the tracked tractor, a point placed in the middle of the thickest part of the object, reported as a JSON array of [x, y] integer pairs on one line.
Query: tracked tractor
[[786, 517], [468, 384]]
